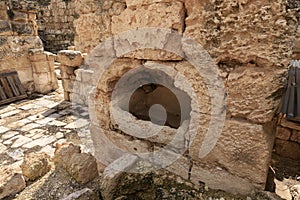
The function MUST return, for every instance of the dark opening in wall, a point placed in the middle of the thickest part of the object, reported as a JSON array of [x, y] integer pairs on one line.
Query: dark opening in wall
[[160, 105]]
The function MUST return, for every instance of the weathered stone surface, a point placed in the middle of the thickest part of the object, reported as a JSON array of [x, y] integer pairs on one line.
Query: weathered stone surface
[[5, 28], [233, 31], [81, 166], [70, 58], [150, 43], [35, 165], [236, 151], [113, 173], [224, 181], [287, 149], [63, 154], [161, 15], [283, 133], [11, 181], [295, 136], [134, 3], [257, 100]]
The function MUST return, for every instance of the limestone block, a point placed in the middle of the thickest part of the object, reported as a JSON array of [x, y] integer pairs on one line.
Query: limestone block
[[68, 85], [11, 181], [35, 165], [233, 31], [66, 96], [283, 133], [86, 38], [114, 173], [257, 100], [50, 56], [160, 15], [77, 98], [151, 44], [134, 3], [86, 75], [43, 89], [220, 179], [85, 6], [70, 58], [25, 5], [23, 29], [295, 136], [81, 166], [5, 28], [42, 78], [37, 56], [20, 17], [237, 148], [54, 81], [64, 152], [287, 149], [25, 74], [3, 11], [40, 67], [180, 167], [3, 6]]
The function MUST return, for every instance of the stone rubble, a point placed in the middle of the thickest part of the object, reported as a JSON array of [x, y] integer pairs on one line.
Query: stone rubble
[[34, 128], [35, 165]]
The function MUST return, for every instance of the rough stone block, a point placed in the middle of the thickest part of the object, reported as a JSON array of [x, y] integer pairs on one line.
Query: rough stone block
[[283, 133], [37, 55], [161, 15], [41, 67], [70, 58], [217, 178], [3, 11], [81, 166], [295, 136], [67, 85], [43, 89], [287, 149], [42, 78], [237, 148], [5, 28], [20, 17], [22, 29], [255, 101], [134, 3], [35, 165]]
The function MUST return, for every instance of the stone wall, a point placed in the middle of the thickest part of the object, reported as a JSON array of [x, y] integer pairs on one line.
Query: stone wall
[[251, 43], [55, 24], [287, 142], [18, 36]]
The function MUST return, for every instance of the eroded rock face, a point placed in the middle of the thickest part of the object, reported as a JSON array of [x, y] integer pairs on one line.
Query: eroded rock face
[[11, 181], [81, 166], [35, 165]]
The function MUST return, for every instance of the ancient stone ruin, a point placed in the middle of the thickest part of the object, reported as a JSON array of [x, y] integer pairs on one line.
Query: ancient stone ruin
[[179, 90]]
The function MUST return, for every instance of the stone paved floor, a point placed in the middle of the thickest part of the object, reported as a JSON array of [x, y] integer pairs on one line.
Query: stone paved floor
[[38, 124]]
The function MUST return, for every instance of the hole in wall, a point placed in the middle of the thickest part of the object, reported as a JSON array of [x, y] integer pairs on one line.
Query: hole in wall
[[158, 104]]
